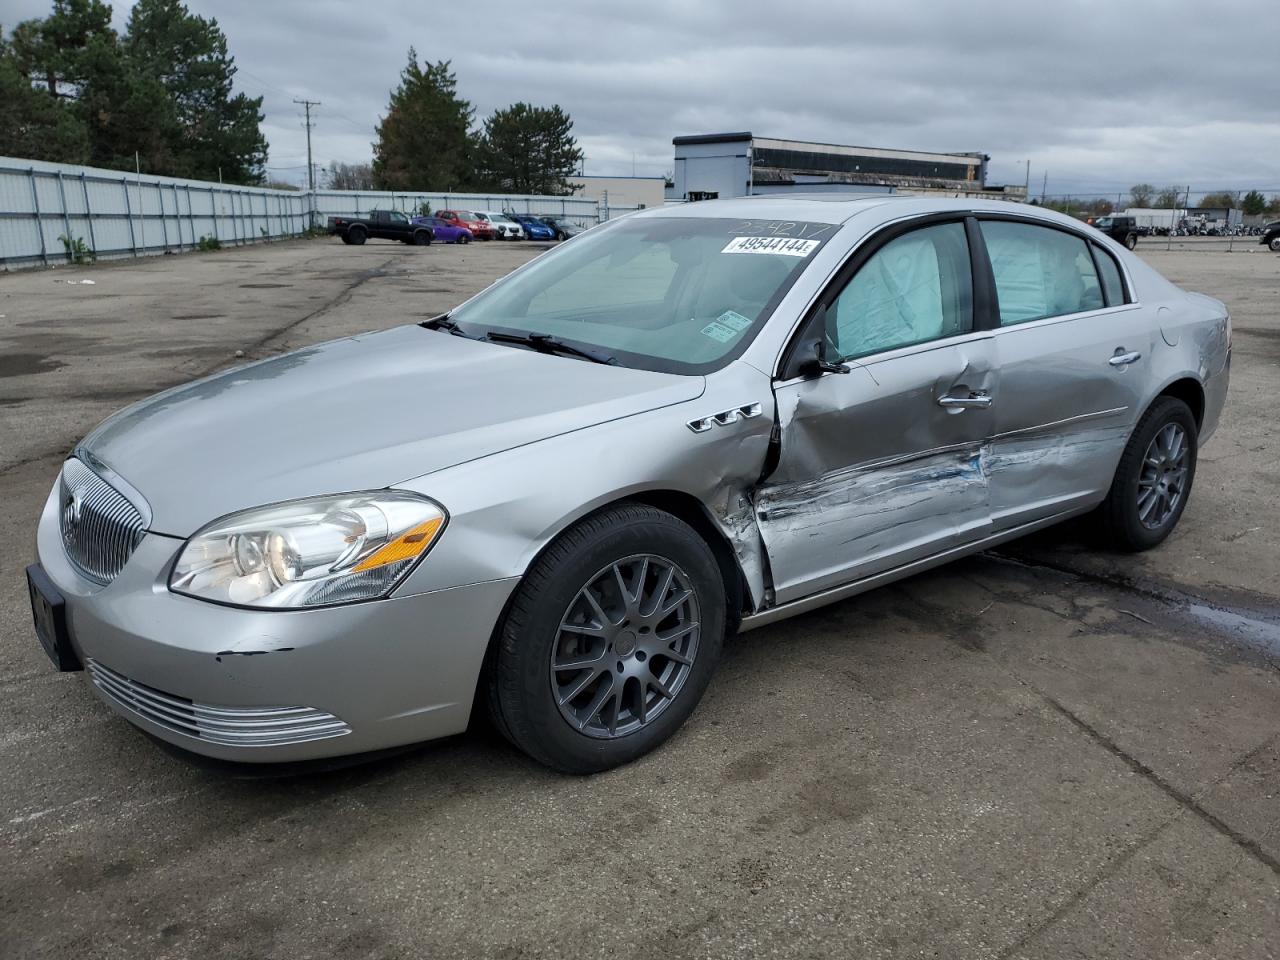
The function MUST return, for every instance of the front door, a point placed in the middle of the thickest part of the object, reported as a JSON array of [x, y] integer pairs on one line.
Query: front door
[[883, 465]]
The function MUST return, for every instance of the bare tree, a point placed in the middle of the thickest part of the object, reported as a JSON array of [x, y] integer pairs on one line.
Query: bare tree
[[350, 176]]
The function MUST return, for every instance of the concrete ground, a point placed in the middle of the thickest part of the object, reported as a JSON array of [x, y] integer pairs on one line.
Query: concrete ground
[[1050, 752]]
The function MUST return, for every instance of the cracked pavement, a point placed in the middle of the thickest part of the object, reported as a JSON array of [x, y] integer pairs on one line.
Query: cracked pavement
[[1048, 752]]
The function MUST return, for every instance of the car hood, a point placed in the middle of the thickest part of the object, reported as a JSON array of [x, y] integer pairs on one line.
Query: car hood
[[357, 414]]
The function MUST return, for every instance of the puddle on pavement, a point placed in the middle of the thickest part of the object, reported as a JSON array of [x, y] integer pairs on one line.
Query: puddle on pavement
[[1249, 624], [1252, 630]]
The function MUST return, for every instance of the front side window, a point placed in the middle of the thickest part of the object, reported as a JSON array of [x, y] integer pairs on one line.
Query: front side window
[[676, 294], [916, 288], [397, 217], [1040, 272]]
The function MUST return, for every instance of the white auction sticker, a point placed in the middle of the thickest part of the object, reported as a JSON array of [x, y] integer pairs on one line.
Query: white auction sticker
[[786, 246]]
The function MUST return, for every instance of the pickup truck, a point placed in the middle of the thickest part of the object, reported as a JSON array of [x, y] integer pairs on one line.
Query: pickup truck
[[1121, 229], [380, 224]]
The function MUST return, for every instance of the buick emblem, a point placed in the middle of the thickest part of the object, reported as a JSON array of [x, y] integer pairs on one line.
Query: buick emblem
[[71, 508]]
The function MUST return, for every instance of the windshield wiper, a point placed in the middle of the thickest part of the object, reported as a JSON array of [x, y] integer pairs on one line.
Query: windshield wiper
[[443, 322], [545, 343]]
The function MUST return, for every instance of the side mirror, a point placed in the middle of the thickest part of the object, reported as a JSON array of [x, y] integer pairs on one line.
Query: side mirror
[[820, 364]]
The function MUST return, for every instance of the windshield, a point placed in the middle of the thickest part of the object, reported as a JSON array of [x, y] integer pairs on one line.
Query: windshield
[[679, 294]]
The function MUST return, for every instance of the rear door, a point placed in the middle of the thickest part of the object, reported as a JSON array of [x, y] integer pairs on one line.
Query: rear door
[[882, 466], [1072, 350]]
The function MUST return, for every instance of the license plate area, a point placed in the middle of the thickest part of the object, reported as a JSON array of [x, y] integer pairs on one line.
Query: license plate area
[[49, 613]]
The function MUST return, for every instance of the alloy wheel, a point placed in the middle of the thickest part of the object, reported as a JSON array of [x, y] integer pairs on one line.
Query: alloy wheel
[[625, 646], [1163, 480]]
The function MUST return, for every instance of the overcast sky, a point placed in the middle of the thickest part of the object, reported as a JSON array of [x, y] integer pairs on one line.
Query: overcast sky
[[1098, 93]]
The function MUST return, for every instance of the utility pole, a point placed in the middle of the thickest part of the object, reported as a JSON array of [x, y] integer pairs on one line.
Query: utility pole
[[1044, 187], [1026, 187], [311, 170]]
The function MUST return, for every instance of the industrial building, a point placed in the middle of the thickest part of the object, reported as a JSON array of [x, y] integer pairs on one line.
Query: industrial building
[[741, 164], [621, 191]]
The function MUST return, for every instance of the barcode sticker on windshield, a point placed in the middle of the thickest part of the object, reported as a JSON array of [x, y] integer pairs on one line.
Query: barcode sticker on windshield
[[784, 246], [718, 331], [731, 318]]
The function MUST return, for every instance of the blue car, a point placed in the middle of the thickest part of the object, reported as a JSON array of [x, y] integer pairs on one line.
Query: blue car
[[534, 228]]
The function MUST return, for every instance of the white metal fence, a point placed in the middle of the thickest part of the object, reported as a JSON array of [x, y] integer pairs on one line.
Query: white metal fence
[[49, 210]]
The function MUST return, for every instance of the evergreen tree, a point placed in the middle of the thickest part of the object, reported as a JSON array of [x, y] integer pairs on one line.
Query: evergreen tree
[[34, 124], [71, 90], [422, 141], [55, 51], [212, 127], [528, 149], [127, 112]]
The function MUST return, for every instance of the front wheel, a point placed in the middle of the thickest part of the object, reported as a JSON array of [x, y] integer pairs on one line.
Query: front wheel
[[1131, 241], [1275, 244], [465, 238], [610, 641], [421, 238], [1154, 478]]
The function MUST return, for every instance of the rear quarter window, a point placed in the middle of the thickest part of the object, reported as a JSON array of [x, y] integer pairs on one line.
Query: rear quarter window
[[1109, 274]]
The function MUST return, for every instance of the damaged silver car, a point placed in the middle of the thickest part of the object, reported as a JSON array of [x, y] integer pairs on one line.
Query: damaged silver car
[[558, 499]]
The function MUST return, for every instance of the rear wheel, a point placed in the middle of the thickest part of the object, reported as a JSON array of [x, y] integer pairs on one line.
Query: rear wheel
[[357, 235], [610, 641], [1154, 478]]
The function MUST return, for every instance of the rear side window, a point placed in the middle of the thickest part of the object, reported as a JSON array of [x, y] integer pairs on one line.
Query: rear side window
[[1040, 272], [916, 288], [1112, 285]]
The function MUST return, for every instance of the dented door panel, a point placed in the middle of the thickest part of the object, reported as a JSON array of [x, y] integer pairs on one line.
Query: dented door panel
[[1065, 411], [872, 471]]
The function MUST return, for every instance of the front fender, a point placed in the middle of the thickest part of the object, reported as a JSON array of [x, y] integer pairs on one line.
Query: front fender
[[505, 508]]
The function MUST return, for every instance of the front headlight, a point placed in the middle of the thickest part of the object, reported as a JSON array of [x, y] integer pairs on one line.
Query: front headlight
[[307, 553]]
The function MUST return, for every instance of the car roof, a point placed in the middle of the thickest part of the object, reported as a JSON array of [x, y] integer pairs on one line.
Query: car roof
[[841, 208]]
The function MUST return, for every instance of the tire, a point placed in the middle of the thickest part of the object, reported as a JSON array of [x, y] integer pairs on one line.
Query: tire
[[421, 238], [1274, 244], [1122, 513], [345, 239], [357, 235], [532, 701], [1131, 241], [465, 238]]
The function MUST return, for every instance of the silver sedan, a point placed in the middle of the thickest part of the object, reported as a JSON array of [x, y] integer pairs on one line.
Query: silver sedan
[[558, 499]]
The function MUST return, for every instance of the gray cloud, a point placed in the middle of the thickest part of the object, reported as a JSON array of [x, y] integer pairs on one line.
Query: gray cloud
[[1099, 94]]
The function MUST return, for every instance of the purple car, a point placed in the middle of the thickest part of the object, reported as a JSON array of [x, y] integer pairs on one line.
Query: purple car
[[443, 231]]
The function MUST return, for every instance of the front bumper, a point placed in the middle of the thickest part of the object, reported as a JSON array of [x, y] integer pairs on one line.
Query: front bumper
[[273, 686]]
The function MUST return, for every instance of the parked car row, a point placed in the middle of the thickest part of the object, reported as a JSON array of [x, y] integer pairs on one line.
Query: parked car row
[[450, 226]]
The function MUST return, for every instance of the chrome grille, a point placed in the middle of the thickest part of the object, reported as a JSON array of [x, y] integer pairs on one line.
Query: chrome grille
[[229, 726], [100, 526]]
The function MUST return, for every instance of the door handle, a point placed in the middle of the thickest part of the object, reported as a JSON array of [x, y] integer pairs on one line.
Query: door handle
[[975, 399], [1124, 359]]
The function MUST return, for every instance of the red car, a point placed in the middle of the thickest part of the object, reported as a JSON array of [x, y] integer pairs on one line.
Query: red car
[[480, 229]]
